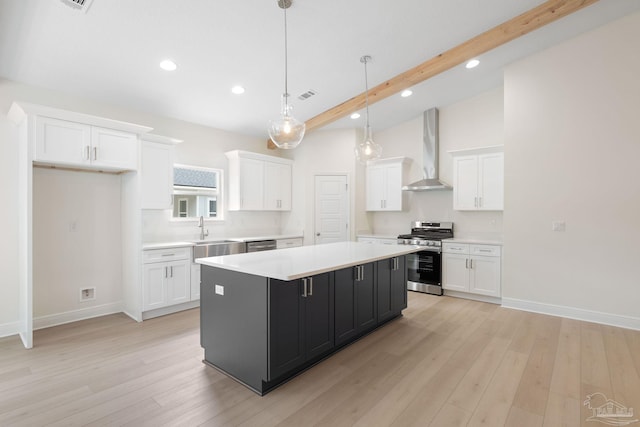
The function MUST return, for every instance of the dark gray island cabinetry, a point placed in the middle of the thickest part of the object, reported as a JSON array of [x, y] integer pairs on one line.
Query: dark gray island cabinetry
[[267, 316]]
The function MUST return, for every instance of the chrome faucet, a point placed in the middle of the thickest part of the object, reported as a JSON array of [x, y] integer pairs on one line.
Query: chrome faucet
[[203, 233]]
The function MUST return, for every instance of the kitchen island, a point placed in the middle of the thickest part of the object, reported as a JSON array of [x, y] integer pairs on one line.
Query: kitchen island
[[267, 316]]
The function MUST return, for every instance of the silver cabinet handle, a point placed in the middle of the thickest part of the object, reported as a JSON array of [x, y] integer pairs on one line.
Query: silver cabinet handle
[[95, 153], [171, 270], [310, 286], [466, 263], [480, 202], [87, 153], [167, 255], [166, 272], [304, 288], [475, 202], [470, 263]]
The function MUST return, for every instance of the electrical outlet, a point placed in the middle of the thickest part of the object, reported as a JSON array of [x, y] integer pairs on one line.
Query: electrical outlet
[[219, 289], [87, 294], [558, 226]]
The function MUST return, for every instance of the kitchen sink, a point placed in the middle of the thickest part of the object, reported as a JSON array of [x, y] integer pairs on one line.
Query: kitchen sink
[[204, 249]]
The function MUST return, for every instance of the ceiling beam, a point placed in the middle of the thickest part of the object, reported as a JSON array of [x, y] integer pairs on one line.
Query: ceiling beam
[[531, 20]]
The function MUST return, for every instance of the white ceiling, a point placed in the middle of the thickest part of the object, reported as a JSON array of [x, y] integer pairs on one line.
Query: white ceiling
[[111, 53]]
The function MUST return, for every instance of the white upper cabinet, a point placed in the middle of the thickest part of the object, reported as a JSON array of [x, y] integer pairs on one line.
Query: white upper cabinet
[[258, 182], [156, 171], [79, 140], [478, 179], [76, 144], [384, 181], [61, 141], [277, 192], [113, 149]]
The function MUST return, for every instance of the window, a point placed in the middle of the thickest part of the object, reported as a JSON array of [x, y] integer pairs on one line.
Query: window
[[197, 192]]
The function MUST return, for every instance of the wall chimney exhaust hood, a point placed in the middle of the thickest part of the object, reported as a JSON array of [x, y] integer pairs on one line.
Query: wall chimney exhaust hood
[[430, 144]]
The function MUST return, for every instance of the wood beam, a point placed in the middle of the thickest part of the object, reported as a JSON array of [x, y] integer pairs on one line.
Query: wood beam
[[531, 20]]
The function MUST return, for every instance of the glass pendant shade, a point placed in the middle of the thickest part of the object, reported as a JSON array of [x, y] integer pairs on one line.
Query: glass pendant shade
[[367, 149], [286, 132]]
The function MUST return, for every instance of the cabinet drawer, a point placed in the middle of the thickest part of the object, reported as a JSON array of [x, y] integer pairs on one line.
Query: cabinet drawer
[[485, 250], [455, 248], [289, 243], [161, 255]]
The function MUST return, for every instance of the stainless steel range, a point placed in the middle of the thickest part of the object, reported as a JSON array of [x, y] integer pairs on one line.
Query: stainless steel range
[[424, 268]]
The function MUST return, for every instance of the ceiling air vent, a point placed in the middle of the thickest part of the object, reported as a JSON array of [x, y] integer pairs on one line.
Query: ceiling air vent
[[308, 94], [82, 5]]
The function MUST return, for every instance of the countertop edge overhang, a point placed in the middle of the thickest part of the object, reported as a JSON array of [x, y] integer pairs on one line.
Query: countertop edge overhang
[[295, 263]]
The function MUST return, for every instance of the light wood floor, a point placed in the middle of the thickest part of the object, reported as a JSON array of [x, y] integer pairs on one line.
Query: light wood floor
[[447, 362]]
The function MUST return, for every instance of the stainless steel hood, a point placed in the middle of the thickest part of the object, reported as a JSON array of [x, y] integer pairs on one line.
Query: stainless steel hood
[[430, 144]]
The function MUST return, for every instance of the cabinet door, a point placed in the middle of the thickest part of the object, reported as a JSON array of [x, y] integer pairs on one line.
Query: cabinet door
[[455, 272], [345, 305], [485, 275], [179, 284], [491, 181], [366, 299], [376, 187], [399, 285], [393, 188], [251, 184], [286, 326], [319, 316], [384, 268], [155, 286], [61, 141], [114, 149], [465, 186], [277, 186], [156, 175]]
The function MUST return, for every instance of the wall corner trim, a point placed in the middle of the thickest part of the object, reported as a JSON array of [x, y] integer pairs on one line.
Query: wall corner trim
[[627, 322]]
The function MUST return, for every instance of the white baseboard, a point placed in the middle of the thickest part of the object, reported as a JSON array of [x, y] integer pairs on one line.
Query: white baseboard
[[170, 309], [627, 322], [75, 315], [474, 297], [8, 329]]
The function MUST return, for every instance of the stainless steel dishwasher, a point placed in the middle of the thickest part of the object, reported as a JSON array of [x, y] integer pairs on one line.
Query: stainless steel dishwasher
[[261, 245]]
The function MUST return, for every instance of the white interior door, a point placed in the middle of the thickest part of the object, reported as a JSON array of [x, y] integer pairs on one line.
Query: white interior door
[[331, 209]]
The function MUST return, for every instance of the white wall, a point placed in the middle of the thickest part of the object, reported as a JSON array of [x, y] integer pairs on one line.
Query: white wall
[[472, 123], [9, 289], [202, 146], [77, 243], [572, 149], [322, 152]]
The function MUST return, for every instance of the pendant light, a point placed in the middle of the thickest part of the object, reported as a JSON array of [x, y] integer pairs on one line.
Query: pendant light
[[286, 132], [367, 149]]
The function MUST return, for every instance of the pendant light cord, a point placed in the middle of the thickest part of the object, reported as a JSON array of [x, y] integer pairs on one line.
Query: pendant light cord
[[366, 87], [286, 89]]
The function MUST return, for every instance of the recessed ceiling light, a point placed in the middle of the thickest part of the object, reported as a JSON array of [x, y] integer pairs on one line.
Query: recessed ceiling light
[[405, 93], [238, 90], [355, 116], [168, 65], [472, 64]]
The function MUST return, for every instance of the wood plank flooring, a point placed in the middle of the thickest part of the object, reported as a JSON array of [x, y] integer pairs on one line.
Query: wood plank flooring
[[446, 362]]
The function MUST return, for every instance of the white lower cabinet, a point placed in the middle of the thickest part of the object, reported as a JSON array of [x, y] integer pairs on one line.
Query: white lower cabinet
[[293, 242], [471, 268], [378, 240], [166, 277]]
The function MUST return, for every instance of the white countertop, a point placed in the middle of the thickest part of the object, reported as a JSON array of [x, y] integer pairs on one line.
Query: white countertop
[[168, 245], [294, 263]]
